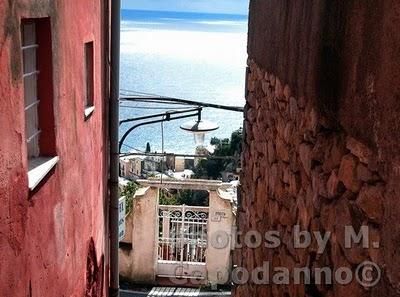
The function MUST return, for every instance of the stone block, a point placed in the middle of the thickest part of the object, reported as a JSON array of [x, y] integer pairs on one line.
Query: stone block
[[344, 216], [278, 89], [332, 185], [305, 155], [293, 108], [282, 150], [370, 201], [271, 152], [251, 115], [360, 150], [319, 183], [348, 173], [287, 92], [272, 79], [364, 174]]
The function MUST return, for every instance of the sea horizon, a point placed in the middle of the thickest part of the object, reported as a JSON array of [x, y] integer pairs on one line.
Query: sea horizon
[[183, 12]]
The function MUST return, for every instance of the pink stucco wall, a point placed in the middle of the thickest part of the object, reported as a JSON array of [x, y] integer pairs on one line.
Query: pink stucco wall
[[53, 242]]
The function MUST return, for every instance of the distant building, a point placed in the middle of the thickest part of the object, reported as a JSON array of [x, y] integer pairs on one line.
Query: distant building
[[131, 167], [151, 164], [185, 174], [189, 163], [179, 163], [170, 162]]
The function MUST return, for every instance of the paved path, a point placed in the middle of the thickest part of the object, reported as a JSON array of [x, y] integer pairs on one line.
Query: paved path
[[173, 291]]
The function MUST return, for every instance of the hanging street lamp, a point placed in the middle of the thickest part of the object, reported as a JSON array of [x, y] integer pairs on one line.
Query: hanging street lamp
[[199, 128]]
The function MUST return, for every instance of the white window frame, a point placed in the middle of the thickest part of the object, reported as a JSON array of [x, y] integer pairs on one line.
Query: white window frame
[[38, 166]]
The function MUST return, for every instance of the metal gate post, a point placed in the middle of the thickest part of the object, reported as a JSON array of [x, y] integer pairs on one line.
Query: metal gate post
[[183, 233]]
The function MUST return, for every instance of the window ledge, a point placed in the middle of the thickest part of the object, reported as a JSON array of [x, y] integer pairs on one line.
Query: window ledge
[[39, 168], [88, 111]]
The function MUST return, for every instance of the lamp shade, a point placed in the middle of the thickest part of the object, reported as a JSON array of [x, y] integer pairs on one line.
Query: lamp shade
[[199, 138], [199, 129]]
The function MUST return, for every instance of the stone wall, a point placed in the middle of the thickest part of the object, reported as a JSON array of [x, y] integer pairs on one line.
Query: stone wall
[[221, 219], [300, 168], [322, 146], [139, 263]]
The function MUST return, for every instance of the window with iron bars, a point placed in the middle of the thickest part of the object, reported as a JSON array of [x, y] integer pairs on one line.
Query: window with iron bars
[[30, 75], [36, 49]]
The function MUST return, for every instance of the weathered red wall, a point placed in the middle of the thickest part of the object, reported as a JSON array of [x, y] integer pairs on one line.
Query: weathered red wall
[[322, 137], [53, 242]]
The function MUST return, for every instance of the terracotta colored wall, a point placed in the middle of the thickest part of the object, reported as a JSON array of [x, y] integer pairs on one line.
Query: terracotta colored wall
[[322, 138], [53, 241]]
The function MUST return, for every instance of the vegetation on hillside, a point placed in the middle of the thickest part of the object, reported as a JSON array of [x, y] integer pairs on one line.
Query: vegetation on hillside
[[129, 192], [212, 168], [187, 197]]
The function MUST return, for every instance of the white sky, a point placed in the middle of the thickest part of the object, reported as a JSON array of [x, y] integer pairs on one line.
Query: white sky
[[208, 6]]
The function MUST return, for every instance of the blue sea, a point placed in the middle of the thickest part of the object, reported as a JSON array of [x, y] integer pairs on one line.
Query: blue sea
[[191, 56]]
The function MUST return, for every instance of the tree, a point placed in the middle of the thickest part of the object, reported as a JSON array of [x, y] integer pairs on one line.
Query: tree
[[236, 141], [187, 197], [129, 192], [212, 168], [215, 141], [148, 148], [167, 198], [193, 197], [200, 171]]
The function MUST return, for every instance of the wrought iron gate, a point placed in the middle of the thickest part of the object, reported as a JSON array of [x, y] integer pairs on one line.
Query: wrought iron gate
[[182, 241]]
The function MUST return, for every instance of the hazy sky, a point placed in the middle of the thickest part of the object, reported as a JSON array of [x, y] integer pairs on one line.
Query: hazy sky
[[209, 6]]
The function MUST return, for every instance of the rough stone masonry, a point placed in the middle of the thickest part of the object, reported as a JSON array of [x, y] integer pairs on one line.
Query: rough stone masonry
[[321, 143]]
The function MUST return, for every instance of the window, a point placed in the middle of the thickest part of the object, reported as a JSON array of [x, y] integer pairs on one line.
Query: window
[[38, 98], [29, 49], [89, 79]]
